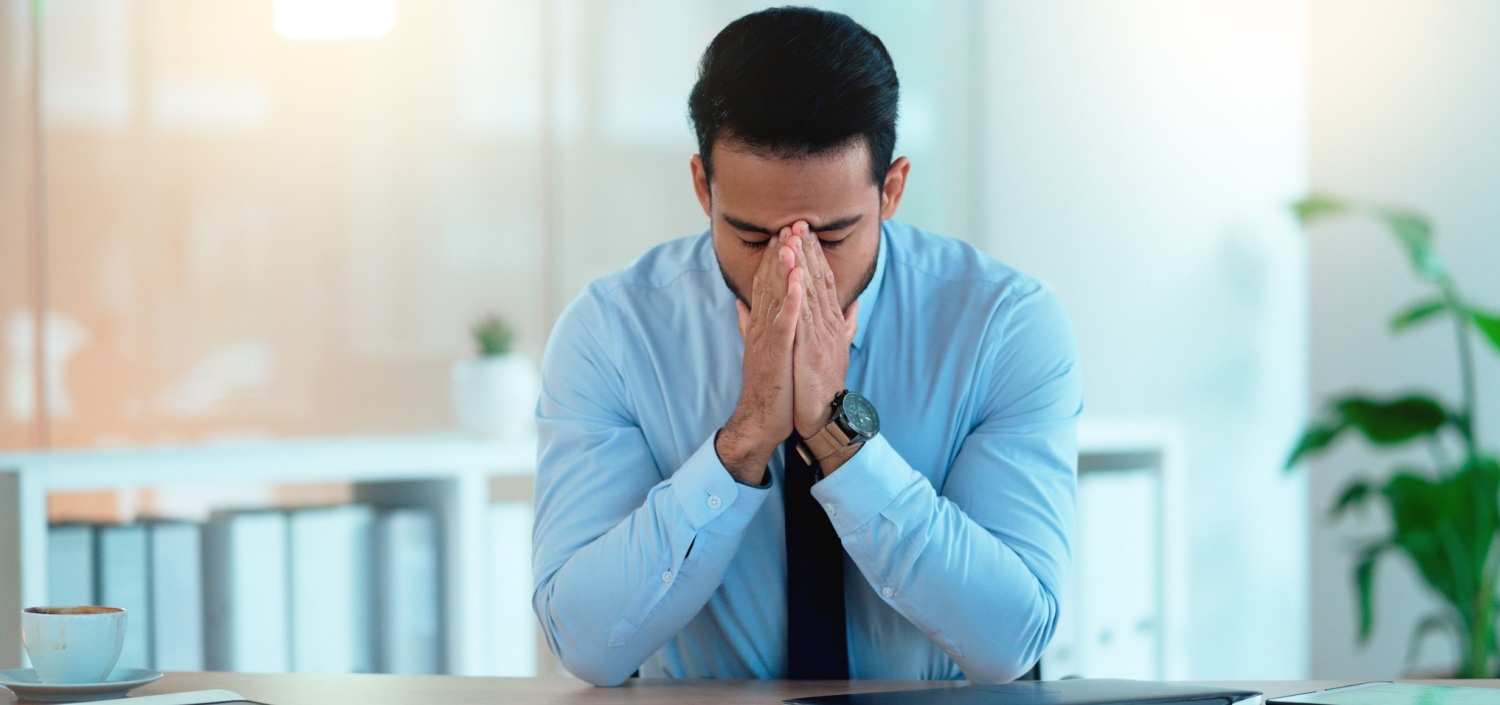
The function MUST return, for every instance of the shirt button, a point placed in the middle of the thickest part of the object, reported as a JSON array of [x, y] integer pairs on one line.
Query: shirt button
[[889, 593], [832, 510], [714, 501], [666, 577]]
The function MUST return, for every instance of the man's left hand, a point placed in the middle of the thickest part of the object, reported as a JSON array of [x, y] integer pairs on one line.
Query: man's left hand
[[820, 352]]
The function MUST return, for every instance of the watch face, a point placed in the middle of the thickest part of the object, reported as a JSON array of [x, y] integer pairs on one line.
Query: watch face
[[860, 415]]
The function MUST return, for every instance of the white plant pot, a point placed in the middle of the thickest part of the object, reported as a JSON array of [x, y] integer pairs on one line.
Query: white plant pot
[[495, 396]]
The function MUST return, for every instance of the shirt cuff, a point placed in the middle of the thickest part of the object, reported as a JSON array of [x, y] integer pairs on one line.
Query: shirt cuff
[[708, 493], [864, 485]]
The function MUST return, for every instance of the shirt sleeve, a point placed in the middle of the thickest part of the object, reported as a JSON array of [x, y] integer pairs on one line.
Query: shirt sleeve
[[978, 564], [622, 558]]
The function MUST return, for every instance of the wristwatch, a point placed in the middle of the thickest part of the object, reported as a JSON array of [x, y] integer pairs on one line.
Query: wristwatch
[[854, 421]]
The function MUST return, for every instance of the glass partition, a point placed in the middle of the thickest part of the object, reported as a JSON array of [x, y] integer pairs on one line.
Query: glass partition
[[259, 222]]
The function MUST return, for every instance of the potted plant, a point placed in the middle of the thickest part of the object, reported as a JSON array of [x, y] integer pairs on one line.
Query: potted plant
[[1444, 516], [495, 392]]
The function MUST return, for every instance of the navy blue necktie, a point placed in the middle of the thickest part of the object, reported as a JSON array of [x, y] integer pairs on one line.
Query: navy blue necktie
[[817, 646]]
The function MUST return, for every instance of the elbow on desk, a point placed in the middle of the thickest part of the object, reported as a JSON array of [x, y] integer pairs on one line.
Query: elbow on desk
[[596, 670], [1010, 656], [996, 671], [590, 663]]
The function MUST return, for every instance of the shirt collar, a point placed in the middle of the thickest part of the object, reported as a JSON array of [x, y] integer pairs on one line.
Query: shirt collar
[[872, 291]]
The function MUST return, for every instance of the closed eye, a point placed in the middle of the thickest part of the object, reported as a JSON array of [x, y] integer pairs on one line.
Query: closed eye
[[842, 232], [761, 245]]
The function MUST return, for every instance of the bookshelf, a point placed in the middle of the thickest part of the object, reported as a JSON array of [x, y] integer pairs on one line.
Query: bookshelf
[[458, 477], [449, 473]]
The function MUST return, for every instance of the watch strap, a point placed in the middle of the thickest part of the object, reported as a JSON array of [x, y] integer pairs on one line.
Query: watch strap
[[826, 442]]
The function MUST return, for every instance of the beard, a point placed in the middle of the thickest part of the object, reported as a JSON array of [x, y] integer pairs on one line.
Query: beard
[[843, 305]]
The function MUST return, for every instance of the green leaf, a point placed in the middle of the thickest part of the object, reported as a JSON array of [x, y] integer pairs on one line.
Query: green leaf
[[1392, 422], [1316, 206], [1417, 313], [1423, 544], [1447, 527], [493, 335], [1364, 579], [1480, 478], [1355, 494], [1488, 324], [1415, 234], [1314, 439]]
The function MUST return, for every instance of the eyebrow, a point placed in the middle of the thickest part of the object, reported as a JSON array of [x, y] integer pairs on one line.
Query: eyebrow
[[839, 224]]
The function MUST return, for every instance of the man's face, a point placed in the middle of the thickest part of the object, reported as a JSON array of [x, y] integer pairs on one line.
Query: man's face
[[752, 197]]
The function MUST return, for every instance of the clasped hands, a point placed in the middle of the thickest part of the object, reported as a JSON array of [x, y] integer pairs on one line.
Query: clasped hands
[[797, 341]]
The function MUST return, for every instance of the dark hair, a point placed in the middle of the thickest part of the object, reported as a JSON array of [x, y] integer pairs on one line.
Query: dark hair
[[793, 82]]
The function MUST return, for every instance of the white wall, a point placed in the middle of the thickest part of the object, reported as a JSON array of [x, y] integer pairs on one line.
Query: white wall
[[1405, 109], [1139, 159]]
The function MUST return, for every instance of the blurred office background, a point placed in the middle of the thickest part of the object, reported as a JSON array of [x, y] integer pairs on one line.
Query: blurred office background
[[243, 222]]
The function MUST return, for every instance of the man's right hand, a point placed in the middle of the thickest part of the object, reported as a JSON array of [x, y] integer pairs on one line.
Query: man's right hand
[[763, 418]]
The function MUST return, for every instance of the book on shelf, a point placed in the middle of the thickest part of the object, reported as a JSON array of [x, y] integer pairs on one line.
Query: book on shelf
[[70, 565], [332, 571], [122, 581], [176, 581], [408, 592], [246, 601], [343, 589]]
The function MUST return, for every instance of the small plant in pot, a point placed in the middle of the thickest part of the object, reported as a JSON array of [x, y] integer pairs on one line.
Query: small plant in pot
[[495, 392], [1445, 513]]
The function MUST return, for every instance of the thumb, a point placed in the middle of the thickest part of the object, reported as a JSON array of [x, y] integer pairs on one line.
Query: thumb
[[851, 321], [744, 312]]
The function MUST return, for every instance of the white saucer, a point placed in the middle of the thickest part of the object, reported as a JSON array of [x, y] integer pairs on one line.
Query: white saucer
[[24, 683]]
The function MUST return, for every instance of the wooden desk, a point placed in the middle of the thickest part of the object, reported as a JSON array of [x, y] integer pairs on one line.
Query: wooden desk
[[300, 689]]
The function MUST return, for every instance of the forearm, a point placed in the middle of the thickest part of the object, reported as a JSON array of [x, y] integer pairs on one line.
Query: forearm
[[964, 586], [618, 598], [745, 456]]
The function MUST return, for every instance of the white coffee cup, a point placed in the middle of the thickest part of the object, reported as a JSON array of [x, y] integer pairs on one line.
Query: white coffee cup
[[73, 644]]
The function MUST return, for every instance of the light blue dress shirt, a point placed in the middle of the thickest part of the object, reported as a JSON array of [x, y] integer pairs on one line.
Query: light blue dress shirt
[[955, 519]]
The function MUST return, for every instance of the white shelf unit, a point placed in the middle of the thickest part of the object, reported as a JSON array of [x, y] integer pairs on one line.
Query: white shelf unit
[[448, 473], [454, 474], [1124, 611]]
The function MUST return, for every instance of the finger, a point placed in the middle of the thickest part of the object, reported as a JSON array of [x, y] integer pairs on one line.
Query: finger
[[762, 273], [786, 261], [826, 311], [786, 324], [851, 322], [776, 281], [825, 283], [830, 287], [811, 275], [744, 313], [767, 301]]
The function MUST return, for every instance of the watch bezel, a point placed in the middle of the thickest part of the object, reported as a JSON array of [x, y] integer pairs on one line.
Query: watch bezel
[[841, 415]]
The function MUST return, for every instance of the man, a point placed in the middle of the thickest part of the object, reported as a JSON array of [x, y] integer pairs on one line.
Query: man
[[809, 442]]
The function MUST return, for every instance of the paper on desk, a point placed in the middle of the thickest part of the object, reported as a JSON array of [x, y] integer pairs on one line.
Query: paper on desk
[[192, 697]]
